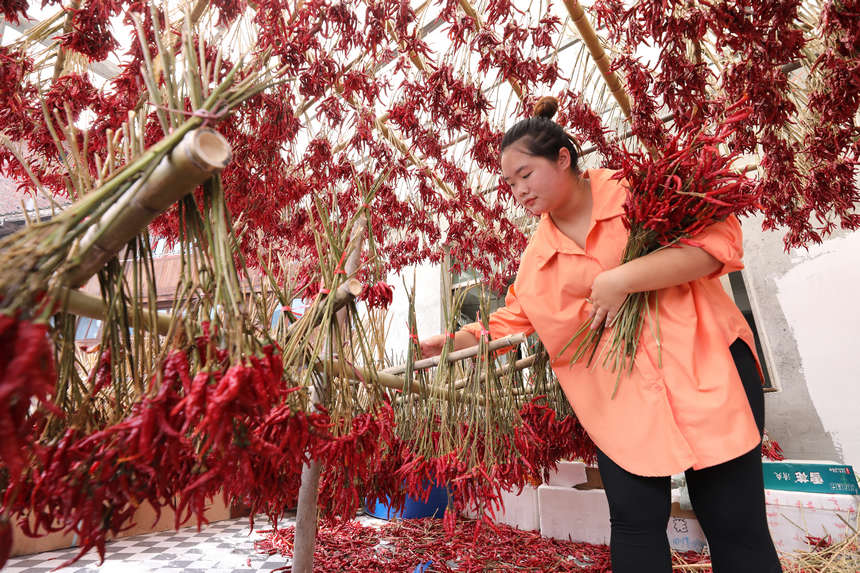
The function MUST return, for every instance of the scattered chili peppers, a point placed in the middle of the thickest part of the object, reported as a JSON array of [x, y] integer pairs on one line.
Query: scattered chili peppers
[[471, 547]]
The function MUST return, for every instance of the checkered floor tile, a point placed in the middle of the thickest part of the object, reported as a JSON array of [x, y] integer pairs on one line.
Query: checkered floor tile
[[222, 547]]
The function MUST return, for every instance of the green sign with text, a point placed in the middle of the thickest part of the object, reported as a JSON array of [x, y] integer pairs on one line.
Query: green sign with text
[[811, 477]]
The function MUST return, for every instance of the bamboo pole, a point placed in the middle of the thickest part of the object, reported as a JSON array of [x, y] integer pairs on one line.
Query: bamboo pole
[[510, 340], [90, 306], [306, 510], [348, 290], [82, 304], [199, 155], [520, 364], [592, 42], [363, 374]]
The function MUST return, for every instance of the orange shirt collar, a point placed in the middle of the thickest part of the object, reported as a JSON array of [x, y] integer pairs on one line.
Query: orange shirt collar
[[607, 202]]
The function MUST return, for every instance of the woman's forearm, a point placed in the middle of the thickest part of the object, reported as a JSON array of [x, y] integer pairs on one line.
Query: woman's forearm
[[660, 269], [432, 346], [667, 267]]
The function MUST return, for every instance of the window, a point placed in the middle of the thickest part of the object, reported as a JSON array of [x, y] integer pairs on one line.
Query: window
[[467, 284], [297, 307], [87, 328]]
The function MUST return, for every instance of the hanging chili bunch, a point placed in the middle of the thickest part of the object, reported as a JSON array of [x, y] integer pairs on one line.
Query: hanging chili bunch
[[91, 35], [544, 438], [26, 374], [92, 484], [378, 295], [799, 123], [352, 459]]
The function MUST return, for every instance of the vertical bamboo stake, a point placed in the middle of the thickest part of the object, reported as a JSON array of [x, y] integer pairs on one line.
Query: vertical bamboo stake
[[592, 42], [306, 512]]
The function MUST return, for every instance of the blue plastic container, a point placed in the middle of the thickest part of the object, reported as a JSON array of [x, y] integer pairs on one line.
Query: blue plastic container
[[435, 506]]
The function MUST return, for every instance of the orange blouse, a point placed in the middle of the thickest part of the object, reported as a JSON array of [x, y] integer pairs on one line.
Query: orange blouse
[[692, 412]]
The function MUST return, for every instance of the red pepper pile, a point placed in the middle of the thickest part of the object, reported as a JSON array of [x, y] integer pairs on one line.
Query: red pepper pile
[[471, 547]]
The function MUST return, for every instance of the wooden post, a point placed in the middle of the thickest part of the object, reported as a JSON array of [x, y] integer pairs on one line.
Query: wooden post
[[510, 340], [306, 512]]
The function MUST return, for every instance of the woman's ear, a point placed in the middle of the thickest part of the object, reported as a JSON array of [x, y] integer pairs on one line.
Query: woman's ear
[[563, 160]]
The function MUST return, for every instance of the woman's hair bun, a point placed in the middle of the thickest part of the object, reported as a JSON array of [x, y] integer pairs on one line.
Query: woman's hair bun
[[546, 107]]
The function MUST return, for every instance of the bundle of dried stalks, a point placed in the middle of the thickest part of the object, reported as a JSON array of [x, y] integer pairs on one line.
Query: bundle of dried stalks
[[827, 556]]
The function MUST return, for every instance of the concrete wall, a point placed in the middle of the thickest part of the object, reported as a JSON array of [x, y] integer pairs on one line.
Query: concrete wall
[[808, 316]]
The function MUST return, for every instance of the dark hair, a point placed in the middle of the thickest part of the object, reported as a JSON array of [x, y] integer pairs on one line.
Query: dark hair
[[541, 136]]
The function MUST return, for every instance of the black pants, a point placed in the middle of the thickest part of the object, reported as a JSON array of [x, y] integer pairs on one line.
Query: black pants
[[728, 500]]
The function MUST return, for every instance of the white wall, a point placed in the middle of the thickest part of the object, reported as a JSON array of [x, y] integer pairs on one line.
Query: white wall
[[428, 307], [819, 299], [808, 316]]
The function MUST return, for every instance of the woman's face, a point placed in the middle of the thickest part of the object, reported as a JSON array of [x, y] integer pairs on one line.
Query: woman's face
[[539, 184]]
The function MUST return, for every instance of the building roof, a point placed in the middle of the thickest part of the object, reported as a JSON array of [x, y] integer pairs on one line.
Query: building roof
[[13, 202]]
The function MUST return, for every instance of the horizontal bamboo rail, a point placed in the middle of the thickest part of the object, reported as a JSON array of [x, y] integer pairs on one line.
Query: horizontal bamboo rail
[[90, 306], [520, 364], [365, 374], [81, 304], [510, 340], [199, 155]]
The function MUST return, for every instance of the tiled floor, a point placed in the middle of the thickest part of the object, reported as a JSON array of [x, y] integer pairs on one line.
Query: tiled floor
[[222, 547]]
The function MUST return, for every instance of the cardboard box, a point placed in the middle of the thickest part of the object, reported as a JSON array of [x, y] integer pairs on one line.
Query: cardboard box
[[143, 522], [573, 514], [792, 515]]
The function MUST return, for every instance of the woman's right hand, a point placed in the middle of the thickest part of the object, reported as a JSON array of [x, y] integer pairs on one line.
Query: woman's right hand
[[432, 346]]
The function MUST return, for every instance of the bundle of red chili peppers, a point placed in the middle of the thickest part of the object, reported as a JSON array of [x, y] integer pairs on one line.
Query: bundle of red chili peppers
[[26, 374], [675, 194]]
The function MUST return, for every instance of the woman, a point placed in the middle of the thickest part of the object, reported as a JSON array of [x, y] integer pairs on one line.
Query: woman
[[700, 411]]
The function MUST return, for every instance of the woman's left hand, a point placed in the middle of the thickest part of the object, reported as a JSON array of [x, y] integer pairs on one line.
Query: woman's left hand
[[607, 295]]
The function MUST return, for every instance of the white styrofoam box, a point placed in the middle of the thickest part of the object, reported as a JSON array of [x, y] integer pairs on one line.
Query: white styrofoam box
[[573, 514], [521, 510], [685, 534], [569, 474], [792, 515]]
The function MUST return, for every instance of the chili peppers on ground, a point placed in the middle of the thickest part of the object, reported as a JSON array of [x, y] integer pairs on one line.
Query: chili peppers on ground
[[471, 547]]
